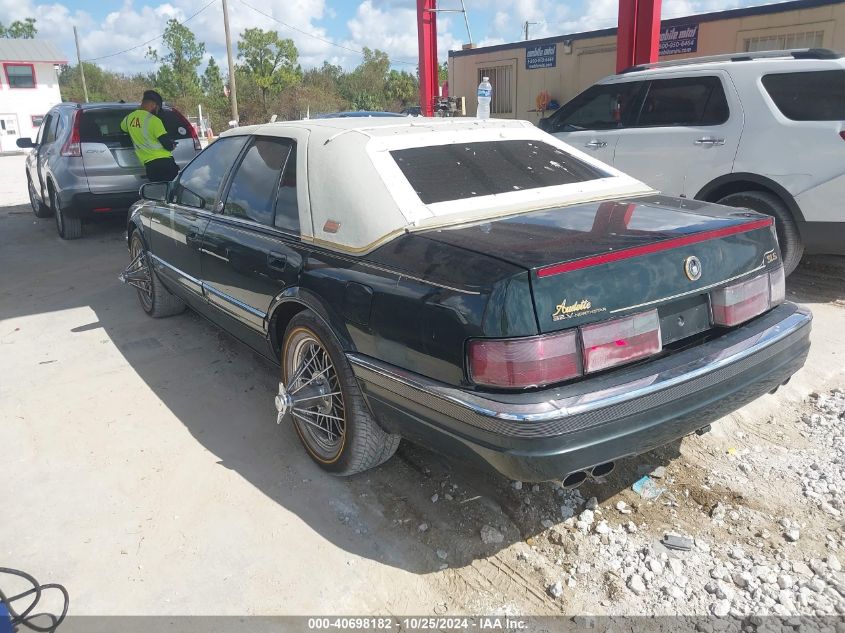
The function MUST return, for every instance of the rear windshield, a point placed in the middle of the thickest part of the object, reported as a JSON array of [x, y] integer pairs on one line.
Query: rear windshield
[[467, 170], [809, 96], [103, 126]]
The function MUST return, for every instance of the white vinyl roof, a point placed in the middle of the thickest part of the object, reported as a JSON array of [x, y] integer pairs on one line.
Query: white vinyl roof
[[359, 198]]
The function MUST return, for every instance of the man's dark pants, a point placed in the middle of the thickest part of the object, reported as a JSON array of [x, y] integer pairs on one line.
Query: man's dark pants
[[162, 169]]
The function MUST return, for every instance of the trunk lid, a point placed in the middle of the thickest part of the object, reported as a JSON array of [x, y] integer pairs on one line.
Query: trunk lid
[[111, 164], [594, 261]]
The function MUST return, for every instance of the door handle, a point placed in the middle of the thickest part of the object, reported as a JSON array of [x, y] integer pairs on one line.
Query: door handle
[[595, 144], [277, 261], [192, 239], [710, 141]]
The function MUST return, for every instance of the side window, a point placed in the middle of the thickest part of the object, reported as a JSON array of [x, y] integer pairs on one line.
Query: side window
[[42, 131], [200, 181], [252, 195], [602, 107], [50, 128], [817, 95], [686, 101], [287, 209]]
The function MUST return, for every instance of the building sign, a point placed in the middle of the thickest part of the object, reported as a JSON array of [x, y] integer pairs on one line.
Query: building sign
[[540, 56], [676, 40]]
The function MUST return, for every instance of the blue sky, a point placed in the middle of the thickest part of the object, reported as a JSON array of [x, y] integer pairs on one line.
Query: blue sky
[[327, 29]]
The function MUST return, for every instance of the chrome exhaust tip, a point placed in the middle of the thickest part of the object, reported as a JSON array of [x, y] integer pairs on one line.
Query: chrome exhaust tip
[[602, 470], [573, 480]]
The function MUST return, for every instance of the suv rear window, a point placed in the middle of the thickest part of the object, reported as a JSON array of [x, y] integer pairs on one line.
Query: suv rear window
[[809, 96], [467, 170], [103, 126]]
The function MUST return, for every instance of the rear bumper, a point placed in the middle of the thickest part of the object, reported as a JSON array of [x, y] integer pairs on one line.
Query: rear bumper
[[90, 205], [548, 434]]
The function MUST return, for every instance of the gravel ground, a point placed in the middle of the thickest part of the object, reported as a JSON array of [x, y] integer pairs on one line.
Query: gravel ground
[[760, 528]]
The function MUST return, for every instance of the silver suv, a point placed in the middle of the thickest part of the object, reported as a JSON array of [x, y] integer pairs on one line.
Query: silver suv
[[83, 165]]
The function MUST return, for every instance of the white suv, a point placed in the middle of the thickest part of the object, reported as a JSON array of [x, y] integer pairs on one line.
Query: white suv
[[764, 131]]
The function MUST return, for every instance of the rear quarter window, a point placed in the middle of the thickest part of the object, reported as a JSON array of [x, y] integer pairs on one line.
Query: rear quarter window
[[439, 173], [103, 126], [808, 96]]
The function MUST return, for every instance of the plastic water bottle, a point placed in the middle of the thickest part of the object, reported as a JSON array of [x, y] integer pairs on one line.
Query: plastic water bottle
[[485, 94]]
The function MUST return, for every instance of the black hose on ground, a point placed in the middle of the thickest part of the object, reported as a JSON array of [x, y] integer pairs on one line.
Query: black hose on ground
[[26, 618]]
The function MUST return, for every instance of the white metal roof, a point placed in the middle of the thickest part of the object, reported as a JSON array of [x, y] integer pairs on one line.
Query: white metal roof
[[359, 198], [19, 50]]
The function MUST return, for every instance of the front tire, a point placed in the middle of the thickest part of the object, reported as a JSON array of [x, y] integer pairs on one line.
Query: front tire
[[67, 228], [156, 300], [791, 246], [40, 209], [326, 406]]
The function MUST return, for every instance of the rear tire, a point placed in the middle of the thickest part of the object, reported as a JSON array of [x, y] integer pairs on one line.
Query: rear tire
[[40, 209], [337, 429], [791, 246], [156, 300], [67, 228]]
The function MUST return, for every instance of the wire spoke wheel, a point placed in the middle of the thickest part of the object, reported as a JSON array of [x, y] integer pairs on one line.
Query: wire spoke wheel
[[139, 275], [316, 400]]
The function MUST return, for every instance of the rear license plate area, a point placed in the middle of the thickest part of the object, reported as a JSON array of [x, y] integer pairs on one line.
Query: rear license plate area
[[684, 318]]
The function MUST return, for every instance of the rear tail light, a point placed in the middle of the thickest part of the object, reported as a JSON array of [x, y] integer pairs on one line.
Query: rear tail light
[[736, 304], [621, 340], [73, 145], [193, 130], [538, 361], [525, 362]]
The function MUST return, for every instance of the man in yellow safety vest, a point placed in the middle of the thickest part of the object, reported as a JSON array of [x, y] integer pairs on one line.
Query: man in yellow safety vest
[[152, 144]]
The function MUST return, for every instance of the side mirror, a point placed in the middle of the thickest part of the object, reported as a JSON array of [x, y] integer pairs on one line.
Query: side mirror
[[25, 143], [156, 191]]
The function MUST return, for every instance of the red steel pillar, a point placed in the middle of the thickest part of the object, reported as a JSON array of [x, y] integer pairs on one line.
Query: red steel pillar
[[638, 35], [427, 35], [626, 34], [648, 32]]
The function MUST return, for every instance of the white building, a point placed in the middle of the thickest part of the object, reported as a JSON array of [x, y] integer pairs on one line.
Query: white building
[[29, 87]]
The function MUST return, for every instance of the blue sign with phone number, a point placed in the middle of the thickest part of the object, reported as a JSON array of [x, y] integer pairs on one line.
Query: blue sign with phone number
[[540, 56], [677, 40]]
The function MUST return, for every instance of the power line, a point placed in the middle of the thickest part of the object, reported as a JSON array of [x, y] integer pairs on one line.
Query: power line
[[157, 37], [317, 37]]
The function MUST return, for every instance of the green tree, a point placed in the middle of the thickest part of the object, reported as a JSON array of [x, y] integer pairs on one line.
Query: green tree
[[177, 77], [366, 86], [443, 72], [402, 89], [25, 30], [103, 85], [215, 103], [269, 62]]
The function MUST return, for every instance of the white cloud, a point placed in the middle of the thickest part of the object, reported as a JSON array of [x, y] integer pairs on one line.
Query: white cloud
[[132, 23], [391, 26]]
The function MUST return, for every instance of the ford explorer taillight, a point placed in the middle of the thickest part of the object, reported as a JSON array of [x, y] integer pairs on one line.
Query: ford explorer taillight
[[533, 361], [745, 300], [621, 341]]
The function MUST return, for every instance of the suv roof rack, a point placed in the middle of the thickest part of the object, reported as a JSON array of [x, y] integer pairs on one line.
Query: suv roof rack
[[798, 53]]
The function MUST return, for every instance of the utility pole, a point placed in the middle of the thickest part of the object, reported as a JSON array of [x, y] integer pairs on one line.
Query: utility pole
[[81, 68], [525, 26], [233, 95]]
